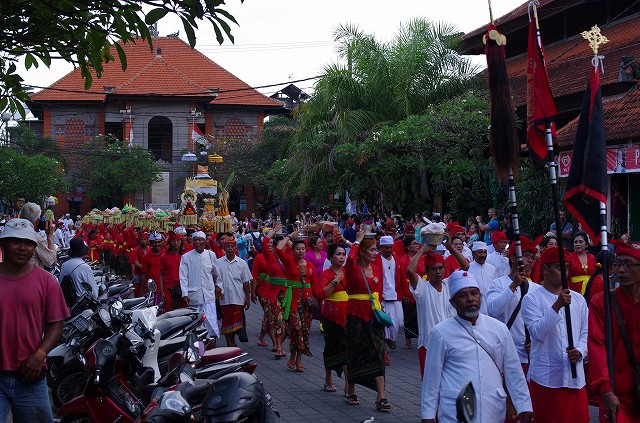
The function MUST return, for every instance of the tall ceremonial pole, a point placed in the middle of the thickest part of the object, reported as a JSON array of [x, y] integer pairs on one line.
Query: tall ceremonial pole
[[608, 330], [541, 109]]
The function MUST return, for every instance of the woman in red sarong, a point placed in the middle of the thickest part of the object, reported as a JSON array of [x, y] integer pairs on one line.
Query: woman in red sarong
[[301, 276], [274, 293], [334, 316], [365, 335], [412, 246]]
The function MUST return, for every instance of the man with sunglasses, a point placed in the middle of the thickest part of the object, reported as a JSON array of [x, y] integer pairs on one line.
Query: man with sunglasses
[[619, 405]]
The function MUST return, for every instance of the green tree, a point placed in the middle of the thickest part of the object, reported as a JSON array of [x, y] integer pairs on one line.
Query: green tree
[[32, 177], [109, 170], [375, 84], [29, 143], [82, 31]]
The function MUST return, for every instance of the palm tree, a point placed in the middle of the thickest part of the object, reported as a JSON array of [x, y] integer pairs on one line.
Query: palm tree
[[373, 84]]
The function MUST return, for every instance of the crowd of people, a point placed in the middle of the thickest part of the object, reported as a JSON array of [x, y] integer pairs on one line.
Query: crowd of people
[[477, 312]]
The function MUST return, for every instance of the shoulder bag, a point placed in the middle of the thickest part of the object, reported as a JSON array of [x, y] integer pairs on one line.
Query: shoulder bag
[[511, 409], [380, 316], [635, 368]]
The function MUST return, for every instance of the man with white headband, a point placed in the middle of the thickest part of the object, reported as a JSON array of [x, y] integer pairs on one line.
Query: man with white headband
[[471, 347], [483, 272], [200, 281]]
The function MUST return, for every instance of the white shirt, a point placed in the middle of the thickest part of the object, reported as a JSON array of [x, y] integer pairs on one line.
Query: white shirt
[[67, 221], [550, 364], [454, 358], [388, 278], [484, 274], [500, 262], [197, 273], [432, 307], [233, 274], [69, 235], [59, 239], [501, 302]]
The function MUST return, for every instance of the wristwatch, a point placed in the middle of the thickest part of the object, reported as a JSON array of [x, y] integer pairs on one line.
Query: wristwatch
[[334, 282]]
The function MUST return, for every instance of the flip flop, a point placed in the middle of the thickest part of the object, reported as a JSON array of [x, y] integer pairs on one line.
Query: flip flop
[[408, 346], [300, 368], [383, 405], [329, 388], [291, 366], [353, 400], [262, 343]]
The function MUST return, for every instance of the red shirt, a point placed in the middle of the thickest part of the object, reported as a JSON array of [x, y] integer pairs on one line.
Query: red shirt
[[260, 273], [336, 311], [170, 265], [356, 285], [26, 304], [292, 270], [151, 267], [598, 372], [138, 254], [275, 269]]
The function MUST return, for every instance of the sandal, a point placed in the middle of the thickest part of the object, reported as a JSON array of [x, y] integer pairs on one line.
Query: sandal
[[390, 343], [408, 346], [291, 366], [329, 388], [353, 400], [383, 405], [261, 343], [300, 368]]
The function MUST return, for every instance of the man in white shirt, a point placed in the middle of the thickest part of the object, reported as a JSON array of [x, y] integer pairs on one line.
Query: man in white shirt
[[67, 220], [471, 347], [432, 295], [200, 281], [482, 271], [393, 276], [58, 236], [498, 258], [236, 281], [505, 294], [555, 394]]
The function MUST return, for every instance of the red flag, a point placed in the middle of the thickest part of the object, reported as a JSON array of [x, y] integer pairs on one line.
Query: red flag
[[541, 109], [586, 184]]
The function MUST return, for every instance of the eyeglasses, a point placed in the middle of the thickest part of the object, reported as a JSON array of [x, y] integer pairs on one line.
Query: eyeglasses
[[627, 264]]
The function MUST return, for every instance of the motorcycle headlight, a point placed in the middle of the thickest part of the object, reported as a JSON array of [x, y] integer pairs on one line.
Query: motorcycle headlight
[[174, 401]]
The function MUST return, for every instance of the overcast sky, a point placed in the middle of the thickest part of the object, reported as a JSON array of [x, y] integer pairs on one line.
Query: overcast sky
[[282, 40]]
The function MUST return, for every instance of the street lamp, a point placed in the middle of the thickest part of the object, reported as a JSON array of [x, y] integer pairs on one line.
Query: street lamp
[[6, 117]]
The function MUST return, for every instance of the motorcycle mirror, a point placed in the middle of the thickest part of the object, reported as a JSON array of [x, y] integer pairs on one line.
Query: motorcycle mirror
[[115, 309], [466, 404], [192, 348], [105, 316], [152, 285]]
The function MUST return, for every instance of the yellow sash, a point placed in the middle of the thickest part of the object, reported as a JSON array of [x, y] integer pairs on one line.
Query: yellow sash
[[366, 297], [340, 296], [581, 279]]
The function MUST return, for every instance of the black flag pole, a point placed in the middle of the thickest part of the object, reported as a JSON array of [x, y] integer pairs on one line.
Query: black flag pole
[[608, 330], [556, 211]]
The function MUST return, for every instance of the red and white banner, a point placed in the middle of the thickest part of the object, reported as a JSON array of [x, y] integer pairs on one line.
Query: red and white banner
[[620, 159]]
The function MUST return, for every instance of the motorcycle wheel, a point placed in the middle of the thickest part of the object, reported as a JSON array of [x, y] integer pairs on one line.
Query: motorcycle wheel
[[75, 418], [68, 385]]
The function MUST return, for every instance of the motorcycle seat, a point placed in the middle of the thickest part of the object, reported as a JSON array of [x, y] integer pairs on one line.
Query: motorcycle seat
[[117, 289], [133, 302], [173, 325], [170, 346], [177, 313], [220, 354]]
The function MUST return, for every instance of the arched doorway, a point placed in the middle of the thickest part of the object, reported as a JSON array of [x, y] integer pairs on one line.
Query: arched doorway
[[160, 130]]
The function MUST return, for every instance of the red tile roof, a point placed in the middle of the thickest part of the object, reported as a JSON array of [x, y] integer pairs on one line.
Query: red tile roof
[[619, 113], [178, 72], [569, 60]]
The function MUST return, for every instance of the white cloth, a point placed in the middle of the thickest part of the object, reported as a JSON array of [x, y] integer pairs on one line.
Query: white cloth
[[80, 272], [500, 262], [233, 275], [501, 302], [67, 221], [432, 307], [388, 278], [484, 274], [199, 276], [394, 310], [59, 239], [454, 358], [550, 364], [69, 235], [211, 318]]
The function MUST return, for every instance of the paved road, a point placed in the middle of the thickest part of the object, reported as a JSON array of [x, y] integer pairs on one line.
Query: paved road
[[299, 396]]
